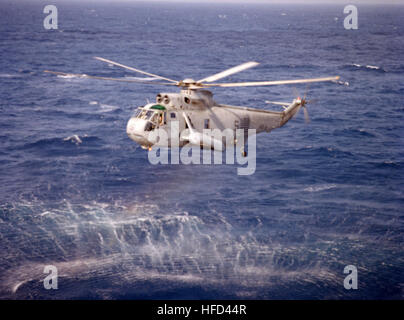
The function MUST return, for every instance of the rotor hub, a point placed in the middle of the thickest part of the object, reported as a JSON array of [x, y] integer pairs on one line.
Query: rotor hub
[[188, 81]]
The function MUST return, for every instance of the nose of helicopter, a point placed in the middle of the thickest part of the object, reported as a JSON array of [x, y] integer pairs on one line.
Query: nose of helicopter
[[135, 131]]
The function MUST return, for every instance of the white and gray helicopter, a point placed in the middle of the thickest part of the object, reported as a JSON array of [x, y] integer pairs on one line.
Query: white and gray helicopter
[[194, 111]]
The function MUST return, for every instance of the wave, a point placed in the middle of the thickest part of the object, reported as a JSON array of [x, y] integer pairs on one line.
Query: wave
[[61, 144], [8, 75], [317, 188], [366, 67], [104, 107], [66, 113], [352, 132], [331, 151], [107, 108], [345, 83], [74, 138], [389, 164], [69, 76], [126, 245]]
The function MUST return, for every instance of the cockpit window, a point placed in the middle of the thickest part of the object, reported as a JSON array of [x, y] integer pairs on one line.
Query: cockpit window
[[154, 117], [144, 114], [141, 114], [149, 115], [137, 112]]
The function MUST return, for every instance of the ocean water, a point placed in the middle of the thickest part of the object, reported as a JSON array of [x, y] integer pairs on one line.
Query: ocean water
[[324, 195]]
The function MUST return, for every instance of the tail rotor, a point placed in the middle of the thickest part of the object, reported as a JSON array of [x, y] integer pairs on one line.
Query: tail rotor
[[303, 103]]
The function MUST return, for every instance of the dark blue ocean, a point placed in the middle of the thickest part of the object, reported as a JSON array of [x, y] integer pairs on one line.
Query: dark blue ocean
[[324, 195]]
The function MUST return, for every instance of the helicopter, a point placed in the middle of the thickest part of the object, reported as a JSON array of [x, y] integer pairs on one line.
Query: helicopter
[[194, 114]]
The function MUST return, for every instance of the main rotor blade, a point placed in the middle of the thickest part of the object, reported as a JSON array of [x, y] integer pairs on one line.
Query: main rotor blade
[[133, 69], [107, 78], [278, 103], [268, 83], [229, 72]]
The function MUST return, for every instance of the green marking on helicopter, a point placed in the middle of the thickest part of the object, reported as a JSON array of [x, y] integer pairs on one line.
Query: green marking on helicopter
[[158, 107]]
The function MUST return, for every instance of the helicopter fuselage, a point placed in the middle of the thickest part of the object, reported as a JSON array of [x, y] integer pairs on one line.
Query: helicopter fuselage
[[203, 113]]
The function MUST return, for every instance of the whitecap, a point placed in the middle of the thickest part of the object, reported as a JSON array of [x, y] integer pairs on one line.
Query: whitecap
[[108, 108], [345, 83], [74, 138], [16, 286], [7, 75], [67, 76], [45, 213], [101, 238], [320, 187], [372, 67], [72, 76], [368, 66]]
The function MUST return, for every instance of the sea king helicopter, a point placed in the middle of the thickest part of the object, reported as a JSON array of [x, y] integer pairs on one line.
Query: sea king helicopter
[[194, 112]]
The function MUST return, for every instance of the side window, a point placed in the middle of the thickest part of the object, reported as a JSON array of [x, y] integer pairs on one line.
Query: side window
[[162, 119], [206, 124], [172, 115]]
